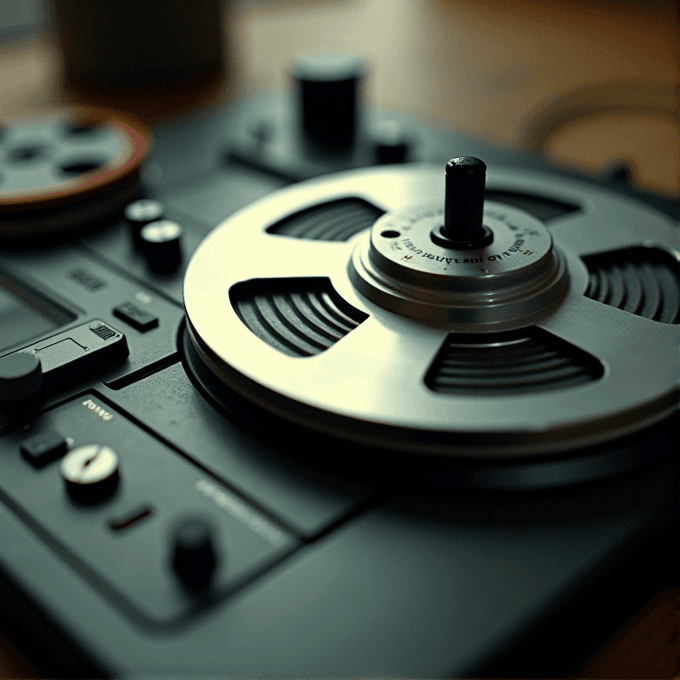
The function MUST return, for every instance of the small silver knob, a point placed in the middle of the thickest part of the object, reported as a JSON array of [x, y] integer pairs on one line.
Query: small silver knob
[[162, 245], [90, 472], [141, 212]]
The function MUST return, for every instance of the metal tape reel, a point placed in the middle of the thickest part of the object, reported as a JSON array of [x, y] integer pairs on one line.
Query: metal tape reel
[[371, 384], [67, 169]]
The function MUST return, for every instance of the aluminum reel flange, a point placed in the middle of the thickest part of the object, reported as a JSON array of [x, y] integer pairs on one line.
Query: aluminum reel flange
[[370, 385]]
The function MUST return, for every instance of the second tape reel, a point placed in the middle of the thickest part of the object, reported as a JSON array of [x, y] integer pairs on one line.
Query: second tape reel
[[522, 334]]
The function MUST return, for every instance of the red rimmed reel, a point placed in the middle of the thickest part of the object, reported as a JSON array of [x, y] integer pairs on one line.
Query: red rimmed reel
[[63, 170]]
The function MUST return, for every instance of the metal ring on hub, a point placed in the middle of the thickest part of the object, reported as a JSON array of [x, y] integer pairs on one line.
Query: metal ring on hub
[[369, 386], [504, 285]]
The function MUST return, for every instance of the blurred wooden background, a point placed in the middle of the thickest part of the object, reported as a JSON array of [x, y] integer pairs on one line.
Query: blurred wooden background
[[488, 69], [481, 67]]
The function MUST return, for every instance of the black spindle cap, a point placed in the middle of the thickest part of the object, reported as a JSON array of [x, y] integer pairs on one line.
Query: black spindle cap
[[464, 206]]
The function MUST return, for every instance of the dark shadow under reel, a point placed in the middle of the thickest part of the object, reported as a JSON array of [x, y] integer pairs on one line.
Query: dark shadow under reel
[[519, 335]]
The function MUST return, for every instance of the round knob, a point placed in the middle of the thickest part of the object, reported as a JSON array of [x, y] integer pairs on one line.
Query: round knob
[[90, 472], [619, 173], [162, 245], [390, 144], [464, 206], [141, 212], [193, 557], [21, 376], [329, 98]]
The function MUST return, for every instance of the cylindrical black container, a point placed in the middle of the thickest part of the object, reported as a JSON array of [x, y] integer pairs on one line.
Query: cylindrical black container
[[133, 43]]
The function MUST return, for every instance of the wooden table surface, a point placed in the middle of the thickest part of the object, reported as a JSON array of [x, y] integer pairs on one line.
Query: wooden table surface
[[589, 81]]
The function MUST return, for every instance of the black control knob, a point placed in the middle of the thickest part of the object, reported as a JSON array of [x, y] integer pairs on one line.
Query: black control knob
[[329, 98], [161, 244], [464, 206], [193, 555], [390, 143], [21, 376], [142, 212], [619, 173]]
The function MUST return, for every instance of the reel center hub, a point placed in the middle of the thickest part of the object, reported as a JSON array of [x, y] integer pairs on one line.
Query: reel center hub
[[488, 267]]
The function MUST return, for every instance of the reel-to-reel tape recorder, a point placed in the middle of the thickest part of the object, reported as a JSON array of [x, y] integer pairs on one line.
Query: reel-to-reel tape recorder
[[407, 420]]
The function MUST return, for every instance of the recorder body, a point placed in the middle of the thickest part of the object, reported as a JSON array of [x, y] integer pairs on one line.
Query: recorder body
[[192, 483]]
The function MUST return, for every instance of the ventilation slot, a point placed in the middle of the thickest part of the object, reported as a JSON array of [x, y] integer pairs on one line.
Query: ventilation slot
[[299, 317], [104, 332], [544, 209], [642, 281], [515, 362], [332, 221]]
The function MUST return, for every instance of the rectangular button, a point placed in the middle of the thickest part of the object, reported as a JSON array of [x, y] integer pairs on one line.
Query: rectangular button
[[44, 447], [135, 317]]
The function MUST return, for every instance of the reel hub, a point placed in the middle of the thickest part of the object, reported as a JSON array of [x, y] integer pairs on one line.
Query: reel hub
[[434, 264]]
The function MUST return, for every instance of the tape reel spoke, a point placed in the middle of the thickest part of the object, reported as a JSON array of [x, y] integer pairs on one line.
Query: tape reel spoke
[[42, 175], [603, 230], [378, 363], [639, 356], [279, 256]]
